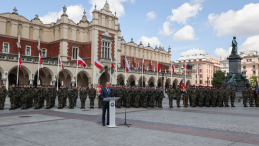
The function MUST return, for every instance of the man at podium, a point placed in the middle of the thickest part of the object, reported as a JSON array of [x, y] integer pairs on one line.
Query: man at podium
[[106, 92]]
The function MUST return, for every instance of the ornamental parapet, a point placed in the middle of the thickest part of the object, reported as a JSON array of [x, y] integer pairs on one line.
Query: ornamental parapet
[[34, 60]]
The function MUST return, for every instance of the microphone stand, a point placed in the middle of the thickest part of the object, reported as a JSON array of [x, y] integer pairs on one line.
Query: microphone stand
[[125, 122]]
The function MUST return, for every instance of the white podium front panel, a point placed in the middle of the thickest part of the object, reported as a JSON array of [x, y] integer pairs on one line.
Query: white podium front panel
[[112, 112]]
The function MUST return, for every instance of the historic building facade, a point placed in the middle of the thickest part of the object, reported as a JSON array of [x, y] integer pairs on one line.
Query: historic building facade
[[100, 38], [250, 63], [204, 66]]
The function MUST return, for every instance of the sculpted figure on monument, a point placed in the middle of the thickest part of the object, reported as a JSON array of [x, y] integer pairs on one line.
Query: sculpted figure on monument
[[234, 46], [232, 80]]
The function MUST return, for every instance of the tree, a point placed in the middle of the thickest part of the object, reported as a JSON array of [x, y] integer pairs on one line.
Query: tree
[[253, 80], [218, 78]]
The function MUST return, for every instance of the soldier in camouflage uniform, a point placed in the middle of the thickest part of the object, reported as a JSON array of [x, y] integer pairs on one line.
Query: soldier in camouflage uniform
[[256, 97], [120, 92], [226, 97], [207, 97], [202, 95], [178, 93], [60, 97], [189, 98], [220, 97], [160, 98], [128, 96], [232, 97], [3, 94], [92, 95], [13, 96], [70, 98], [245, 95], [214, 97], [143, 95], [171, 93], [24, 97], [137, 96], [194, 96], [153, 96], [47, 93], [83, 96], [251, 97]]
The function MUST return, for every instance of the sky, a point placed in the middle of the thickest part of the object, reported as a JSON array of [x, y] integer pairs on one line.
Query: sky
[[188, 26]]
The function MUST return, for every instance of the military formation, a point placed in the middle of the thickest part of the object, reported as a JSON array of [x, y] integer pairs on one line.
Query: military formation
[[201, 96], [250, 95], [138, 96], [29, 96]]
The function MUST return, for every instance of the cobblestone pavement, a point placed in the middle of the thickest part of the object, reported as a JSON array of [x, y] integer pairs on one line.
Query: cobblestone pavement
[[236, 126]]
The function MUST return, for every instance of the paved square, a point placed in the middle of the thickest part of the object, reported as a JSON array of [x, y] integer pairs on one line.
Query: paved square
[[161, 127]]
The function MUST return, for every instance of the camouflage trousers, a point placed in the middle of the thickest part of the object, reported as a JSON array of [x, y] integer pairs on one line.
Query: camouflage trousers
[[2, 102], [82, 100], [13, 101], [171, 100]]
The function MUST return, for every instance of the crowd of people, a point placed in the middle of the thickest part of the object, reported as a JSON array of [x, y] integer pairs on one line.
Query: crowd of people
[[29, 96]]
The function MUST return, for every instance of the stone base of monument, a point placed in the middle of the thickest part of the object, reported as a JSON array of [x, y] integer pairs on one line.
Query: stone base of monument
[[234, 78]]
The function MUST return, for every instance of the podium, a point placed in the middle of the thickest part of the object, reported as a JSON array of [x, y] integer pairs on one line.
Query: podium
[[111, 111]]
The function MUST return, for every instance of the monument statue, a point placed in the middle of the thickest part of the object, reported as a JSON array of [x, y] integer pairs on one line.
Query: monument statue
[[234, 46], [232, 80]]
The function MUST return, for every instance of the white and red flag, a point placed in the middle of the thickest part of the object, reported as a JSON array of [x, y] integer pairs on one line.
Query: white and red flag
[[183, 86], [186, 68], [20, 61], [60, 62], [98, 64], [127, 65], [80, 61], [113, 65], [173, 69], [40, 60]]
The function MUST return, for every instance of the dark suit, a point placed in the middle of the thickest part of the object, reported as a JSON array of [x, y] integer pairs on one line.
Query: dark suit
[[105, 94]]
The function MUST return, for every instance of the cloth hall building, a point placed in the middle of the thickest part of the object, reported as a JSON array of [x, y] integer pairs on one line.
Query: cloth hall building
[[99, 38]]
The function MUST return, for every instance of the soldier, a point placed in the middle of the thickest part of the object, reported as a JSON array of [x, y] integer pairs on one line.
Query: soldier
[[42, 97], [189, 98], [194, 95], [83, 96], [60, 97], [160, 98], [119, 94], [226, 97], [202, 95], [170, 93], [36, 93], [115, 92], [178, 93], [251, 97], [66, 94], [128, 96], [132, 98], [214, 97], [3, 94], [220, 97], [12, 95], [232, 97], [92, 95], [70, 98], [30, 96], [256, 97], [137, 96], [54, 94], [245, 95], [207, 97], [152, 97], [24, 97]]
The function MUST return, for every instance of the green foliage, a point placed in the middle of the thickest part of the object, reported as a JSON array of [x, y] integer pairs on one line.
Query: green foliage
[[253, 80], [218, 78]]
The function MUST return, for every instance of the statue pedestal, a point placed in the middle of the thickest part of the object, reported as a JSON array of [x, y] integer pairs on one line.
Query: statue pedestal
[[234, 63]]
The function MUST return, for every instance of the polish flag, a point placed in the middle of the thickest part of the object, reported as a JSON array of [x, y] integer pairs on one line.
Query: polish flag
[[40, 60], [60, 62], [158, 69], [20, 61], [113, 65], [127, 65], [80, 61], [183, 86], [143, 67], [173, 69], [98, 64]]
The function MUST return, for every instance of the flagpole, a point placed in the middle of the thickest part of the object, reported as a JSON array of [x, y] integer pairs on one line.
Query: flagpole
[[17, 70], [142, 70], [111, 72], [125, 71], [58, 73], [76, 70], [185, 74], [157, 74], [197, 73], [171, 73], [38, 69], [117, 68], [94, 73]]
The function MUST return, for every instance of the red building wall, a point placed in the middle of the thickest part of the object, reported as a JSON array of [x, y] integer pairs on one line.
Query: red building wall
[[84, 51]]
